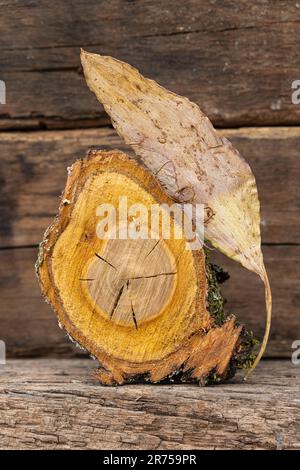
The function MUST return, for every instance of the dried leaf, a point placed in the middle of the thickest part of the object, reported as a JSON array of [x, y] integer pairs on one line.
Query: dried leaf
[[178, 143]]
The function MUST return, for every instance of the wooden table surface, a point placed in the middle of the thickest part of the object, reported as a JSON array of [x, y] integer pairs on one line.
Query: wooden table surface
[[57, 404]]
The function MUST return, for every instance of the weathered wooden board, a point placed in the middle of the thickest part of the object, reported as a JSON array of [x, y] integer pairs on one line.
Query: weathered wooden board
[[33, 175], [36, 163], [27, 324], [237, 60], [56, 404], [29, 327], [245, 296]]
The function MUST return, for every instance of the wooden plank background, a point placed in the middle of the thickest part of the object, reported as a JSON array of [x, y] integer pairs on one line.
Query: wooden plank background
[[237, 60]]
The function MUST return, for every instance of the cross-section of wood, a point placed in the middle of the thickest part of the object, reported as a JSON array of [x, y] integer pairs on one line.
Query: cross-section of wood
[[147, 308]]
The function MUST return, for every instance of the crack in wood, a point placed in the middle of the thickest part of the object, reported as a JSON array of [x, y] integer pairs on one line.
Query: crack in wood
[[132, 309], [105, 261], [133, 315], [116, 301], [152, 249], [152, 276]]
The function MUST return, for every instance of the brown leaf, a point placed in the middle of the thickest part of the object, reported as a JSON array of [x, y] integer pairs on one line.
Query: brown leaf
[[179, 145]]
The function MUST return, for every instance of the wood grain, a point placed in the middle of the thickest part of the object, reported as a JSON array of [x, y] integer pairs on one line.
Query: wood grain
[[236, 60], [35, 163], [29, 327], [56, 404]]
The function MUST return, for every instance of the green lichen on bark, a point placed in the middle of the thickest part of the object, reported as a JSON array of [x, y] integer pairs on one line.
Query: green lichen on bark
[[215, 300], [243, 357]]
